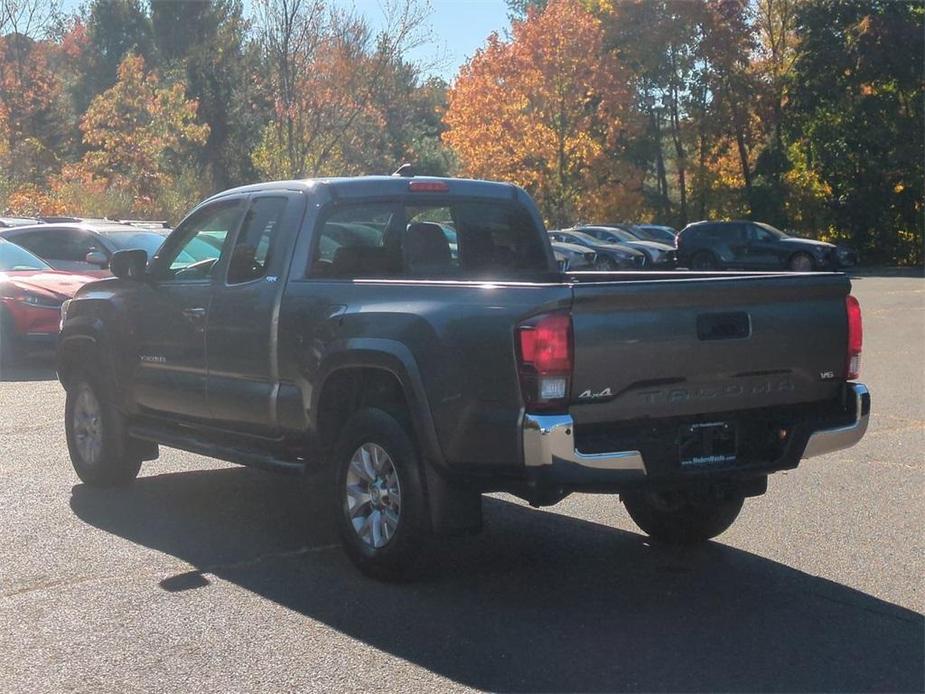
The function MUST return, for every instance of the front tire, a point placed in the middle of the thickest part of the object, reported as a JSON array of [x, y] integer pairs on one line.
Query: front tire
[[802, 262], [381, 505], [678, 518], [604, 264], [704, 260], [96, 439]]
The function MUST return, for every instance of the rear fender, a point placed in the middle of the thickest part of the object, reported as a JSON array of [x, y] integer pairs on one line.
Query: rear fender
[[454, 506], [396, 359]]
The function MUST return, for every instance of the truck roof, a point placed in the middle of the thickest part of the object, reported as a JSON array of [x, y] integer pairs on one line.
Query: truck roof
[[368, 186]]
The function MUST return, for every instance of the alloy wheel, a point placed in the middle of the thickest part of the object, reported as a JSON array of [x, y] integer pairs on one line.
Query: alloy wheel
[[88, 426], [373, 495]]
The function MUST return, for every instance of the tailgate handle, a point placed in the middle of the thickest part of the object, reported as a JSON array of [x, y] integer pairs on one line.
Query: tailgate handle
[[723, 326]]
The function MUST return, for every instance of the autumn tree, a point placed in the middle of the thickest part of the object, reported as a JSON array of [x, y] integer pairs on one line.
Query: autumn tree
[[547, 109], [30, 126], [31, 119], [326, 69], [777, 39], [139, 134]]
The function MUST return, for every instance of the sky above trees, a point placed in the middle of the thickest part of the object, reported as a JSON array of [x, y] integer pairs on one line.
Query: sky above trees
[[458, 29]]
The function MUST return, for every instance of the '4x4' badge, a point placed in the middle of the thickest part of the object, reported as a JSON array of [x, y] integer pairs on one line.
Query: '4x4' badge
[[588, 395]]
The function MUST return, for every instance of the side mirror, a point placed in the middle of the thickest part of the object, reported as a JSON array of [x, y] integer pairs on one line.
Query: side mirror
[[95, 257], [129, 265]]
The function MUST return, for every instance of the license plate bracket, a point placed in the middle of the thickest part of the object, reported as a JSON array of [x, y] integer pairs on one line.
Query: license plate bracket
[[707, 445]]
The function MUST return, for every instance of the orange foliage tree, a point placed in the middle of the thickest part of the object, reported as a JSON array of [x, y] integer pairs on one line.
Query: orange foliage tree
[[137, 134], [30, 126], [550, 110]]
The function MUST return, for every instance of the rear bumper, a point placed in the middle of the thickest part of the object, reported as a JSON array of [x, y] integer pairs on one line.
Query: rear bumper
[[551, 454], [837, 438], [549, 440]]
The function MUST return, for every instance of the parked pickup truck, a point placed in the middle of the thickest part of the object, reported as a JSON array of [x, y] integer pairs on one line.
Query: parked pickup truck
[[336, 335]]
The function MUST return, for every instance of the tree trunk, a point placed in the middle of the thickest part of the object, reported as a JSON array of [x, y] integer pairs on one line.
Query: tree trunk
[[703, 168], [663, 202], [679, 153], [743, 161]]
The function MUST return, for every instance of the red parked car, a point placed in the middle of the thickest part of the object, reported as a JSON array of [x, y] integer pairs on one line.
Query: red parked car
[[31, 294]]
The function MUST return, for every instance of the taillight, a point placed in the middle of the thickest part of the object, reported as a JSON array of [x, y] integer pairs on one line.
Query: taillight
[[544, 353], [855, 337]]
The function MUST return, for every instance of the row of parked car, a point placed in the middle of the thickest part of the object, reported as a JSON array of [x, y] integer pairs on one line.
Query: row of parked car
[[615, 247], [44, 261], [706, 245]]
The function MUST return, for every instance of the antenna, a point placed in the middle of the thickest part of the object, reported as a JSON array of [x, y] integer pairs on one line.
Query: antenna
[[406, 170]]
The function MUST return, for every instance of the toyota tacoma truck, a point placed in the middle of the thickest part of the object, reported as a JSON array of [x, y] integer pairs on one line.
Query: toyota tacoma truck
[[408, 344]]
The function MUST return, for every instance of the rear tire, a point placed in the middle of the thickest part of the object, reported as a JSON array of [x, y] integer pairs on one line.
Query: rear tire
[[381, 507], [802, 262], [704, 260], [678, 518], [99, 449]]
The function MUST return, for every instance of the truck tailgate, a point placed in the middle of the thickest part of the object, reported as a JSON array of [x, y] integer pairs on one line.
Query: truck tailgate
[[683, 347]]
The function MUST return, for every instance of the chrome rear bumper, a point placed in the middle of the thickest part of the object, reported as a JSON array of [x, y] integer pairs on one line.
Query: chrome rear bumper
[[829, 440], [550, 439]]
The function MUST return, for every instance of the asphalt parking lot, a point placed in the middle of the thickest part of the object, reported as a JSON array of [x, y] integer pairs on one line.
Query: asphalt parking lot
[[204, 576]]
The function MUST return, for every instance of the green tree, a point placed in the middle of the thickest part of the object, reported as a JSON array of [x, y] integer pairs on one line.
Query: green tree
[[856, 110], [115, 28], [205, 44]]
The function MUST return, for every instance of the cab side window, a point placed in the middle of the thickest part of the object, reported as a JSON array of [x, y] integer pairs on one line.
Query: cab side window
[[251, 254], [359, 241]]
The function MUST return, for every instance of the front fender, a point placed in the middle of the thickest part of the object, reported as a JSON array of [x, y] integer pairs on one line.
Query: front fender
[[78, 340]]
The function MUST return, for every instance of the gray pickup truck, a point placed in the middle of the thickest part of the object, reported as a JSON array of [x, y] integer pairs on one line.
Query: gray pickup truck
[[406, 344]]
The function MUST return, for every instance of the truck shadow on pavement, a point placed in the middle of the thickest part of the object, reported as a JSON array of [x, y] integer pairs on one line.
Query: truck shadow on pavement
[[538, 602]]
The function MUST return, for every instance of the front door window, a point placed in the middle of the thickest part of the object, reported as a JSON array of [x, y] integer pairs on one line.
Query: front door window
[[195, 247]]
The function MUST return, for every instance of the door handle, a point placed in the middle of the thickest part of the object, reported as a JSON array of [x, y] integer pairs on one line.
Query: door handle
[[336, 311], [194, 315]]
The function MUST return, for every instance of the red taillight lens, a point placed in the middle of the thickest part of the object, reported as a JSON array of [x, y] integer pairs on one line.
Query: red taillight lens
[[547, 343], [545, 360], [428, 187], [855, 337]]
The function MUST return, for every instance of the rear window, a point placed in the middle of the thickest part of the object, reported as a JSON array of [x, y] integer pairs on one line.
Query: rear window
[[460, 239]]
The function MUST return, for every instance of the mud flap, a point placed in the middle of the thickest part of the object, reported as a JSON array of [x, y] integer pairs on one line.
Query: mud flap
[[455, 508], [146, 450]]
